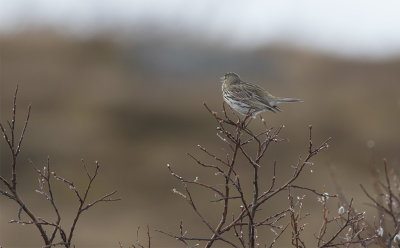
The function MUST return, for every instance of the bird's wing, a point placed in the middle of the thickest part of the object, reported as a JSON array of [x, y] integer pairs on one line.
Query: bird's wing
[[251, 94], [239, 92], [257, 94]]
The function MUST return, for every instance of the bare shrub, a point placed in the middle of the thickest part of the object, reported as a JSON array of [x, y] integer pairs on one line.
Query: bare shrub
[[48, 229], [240, 217], [387, 203], [244, 222]]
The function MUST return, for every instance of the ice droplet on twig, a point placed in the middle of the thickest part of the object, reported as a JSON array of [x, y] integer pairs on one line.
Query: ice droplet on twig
[[397, 238], [380, 231], [341, 210]]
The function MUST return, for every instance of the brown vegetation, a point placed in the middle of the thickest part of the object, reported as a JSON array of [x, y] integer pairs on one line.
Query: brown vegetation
[[134, 106]]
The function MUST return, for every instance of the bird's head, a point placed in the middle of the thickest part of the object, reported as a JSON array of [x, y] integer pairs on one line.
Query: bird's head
[[230, 77]]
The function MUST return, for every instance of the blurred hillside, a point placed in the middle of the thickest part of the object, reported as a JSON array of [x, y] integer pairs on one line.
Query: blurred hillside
[[136, 104]]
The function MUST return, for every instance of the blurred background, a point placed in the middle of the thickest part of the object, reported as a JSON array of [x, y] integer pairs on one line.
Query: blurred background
[[123, 82]]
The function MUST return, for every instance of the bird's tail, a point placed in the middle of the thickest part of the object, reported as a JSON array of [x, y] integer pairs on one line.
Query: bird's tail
[[283, 99]]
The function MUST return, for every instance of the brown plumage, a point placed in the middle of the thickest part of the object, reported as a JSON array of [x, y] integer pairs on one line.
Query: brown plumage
[[242, 96]]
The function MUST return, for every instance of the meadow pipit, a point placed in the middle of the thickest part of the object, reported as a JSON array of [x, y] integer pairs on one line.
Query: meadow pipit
[[248, 98]]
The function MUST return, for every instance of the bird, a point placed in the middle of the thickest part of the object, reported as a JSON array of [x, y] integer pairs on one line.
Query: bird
[[249, 98]]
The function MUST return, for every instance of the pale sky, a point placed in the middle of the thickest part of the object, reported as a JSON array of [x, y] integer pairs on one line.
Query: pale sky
[[346, 27]]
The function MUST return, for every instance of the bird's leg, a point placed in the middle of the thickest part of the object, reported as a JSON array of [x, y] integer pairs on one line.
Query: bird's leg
[[248, 123], [249, 116]]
